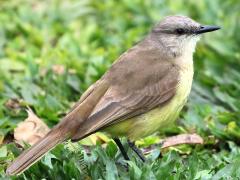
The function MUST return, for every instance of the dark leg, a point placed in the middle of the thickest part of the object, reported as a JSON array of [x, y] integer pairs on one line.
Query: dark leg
[[136, 150], [120, 146]]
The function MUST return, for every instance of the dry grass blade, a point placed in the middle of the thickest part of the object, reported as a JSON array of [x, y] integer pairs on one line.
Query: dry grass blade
[[174, 141], [182, 139]]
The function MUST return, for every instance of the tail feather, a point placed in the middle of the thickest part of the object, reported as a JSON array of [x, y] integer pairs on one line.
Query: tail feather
[[34, 153], [63, 131]]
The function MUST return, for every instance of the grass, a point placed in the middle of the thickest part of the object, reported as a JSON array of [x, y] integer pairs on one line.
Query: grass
[[85, 37]]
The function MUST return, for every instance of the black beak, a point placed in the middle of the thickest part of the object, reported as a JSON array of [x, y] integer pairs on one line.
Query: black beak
[[206, 28]]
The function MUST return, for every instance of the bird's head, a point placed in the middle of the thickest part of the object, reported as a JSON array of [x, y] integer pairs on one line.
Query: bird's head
[[180, 34]]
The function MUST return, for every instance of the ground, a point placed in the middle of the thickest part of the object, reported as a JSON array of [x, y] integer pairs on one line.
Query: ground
[[51, 51]]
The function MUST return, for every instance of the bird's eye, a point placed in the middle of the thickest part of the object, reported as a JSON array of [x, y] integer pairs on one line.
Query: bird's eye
[[180, 31]]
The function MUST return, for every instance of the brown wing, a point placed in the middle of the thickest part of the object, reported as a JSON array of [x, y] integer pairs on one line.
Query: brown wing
[[139, 81]]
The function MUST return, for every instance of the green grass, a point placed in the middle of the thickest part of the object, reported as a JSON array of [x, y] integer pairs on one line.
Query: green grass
[[86, 37]]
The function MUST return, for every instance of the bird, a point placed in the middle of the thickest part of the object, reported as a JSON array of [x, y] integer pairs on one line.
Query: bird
[[142, 92]]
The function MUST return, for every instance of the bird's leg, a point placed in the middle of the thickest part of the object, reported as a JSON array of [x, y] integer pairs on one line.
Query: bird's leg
[[136, 150], [120, 146]]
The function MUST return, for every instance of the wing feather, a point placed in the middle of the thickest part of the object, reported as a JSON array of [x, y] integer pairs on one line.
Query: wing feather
[[116, 106]]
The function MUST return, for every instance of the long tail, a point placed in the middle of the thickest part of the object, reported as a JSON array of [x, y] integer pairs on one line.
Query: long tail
[[61, 132], [33, 154]]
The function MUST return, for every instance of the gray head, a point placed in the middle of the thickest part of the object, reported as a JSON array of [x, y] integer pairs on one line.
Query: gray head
[[180, 34]]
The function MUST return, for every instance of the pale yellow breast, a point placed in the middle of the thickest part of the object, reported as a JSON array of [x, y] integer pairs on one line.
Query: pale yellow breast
[[158, 118]]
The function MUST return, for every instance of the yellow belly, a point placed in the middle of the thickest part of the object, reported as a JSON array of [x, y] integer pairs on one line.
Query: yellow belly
[[158, 118]]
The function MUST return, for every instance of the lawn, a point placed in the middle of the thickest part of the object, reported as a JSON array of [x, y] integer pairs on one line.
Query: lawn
[[51, 51]]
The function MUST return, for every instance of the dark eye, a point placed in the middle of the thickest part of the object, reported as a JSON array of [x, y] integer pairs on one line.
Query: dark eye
[[180, 31]]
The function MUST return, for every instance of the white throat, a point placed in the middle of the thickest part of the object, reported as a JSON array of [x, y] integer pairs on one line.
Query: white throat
[[185, 58], [180, 46]]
